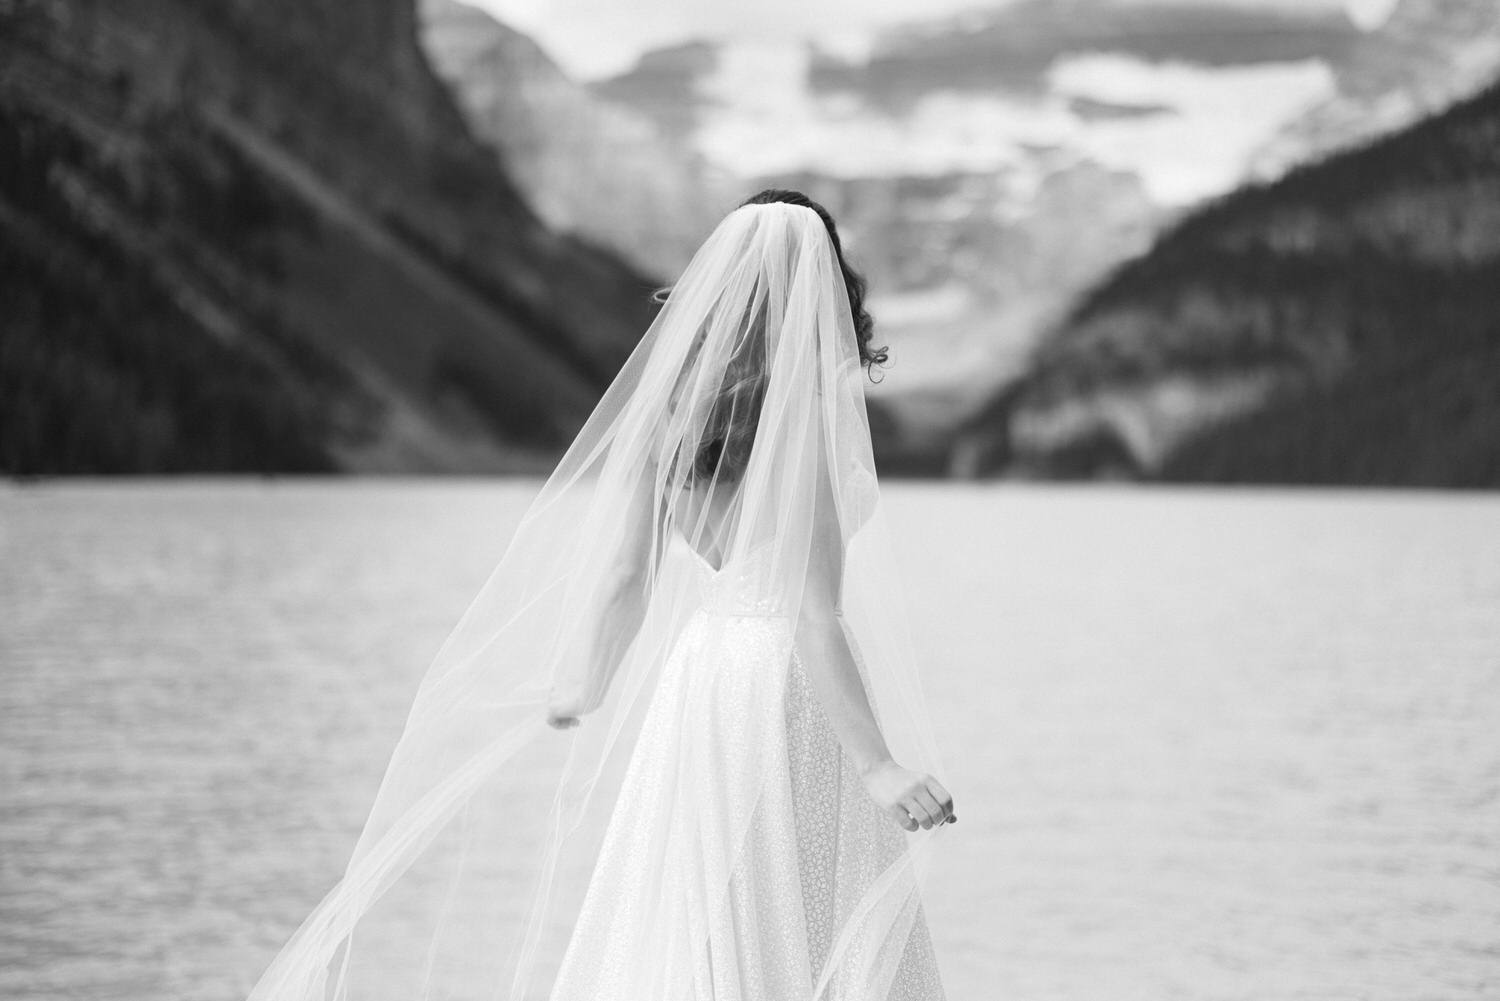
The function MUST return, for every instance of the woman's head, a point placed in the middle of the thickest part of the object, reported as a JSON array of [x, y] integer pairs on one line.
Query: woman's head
[[739, 323], [864, 324]]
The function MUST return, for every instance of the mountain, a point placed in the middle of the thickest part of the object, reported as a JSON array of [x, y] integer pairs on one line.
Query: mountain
[[261, 237], [988, 168], [1339, 325], [961, 287], [1425, 56], [587, 166]]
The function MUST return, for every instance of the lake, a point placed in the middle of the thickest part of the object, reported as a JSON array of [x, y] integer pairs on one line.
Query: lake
[[1204, 744]]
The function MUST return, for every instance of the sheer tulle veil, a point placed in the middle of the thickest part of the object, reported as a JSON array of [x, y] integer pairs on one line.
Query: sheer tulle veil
[[736, 429]]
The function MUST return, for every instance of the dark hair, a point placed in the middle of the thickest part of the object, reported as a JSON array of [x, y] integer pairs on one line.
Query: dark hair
[[864, 323]]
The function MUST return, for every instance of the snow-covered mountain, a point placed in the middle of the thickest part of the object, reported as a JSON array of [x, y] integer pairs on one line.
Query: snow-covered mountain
[[990, 167], [1425, 56], [987, 168]]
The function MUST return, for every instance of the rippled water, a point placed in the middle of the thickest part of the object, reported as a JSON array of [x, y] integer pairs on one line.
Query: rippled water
[[1204, 745]]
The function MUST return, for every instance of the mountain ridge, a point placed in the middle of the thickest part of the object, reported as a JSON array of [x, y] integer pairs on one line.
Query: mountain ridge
[[264, 239]]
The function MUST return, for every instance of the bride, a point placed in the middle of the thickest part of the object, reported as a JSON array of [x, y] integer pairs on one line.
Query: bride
[[676, 748]]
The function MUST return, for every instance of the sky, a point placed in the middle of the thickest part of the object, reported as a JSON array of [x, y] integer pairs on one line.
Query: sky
[[597, 38]]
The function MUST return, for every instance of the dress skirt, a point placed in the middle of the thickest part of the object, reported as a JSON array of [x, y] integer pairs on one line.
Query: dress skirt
[[741, 843]]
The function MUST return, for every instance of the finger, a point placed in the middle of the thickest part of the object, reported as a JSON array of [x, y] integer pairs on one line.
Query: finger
[[944, 797], [904, 819], [930, 804], [918, 810]]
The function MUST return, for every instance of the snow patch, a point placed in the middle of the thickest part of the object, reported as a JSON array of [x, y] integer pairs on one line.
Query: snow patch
[[1221, 116]]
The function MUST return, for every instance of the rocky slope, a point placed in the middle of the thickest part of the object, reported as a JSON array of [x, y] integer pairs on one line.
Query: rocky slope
[[1337, 326], [587, 166], [261, 237]]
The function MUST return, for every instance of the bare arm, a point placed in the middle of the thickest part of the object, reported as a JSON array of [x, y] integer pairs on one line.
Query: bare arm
[[621, 610], [829, 660], [912, 799]]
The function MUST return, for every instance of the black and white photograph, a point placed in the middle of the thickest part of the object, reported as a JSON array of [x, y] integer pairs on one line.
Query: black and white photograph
[[687, 500]]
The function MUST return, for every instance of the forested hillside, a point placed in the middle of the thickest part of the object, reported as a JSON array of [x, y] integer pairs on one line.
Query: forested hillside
[[260, 237], [1341, 325]]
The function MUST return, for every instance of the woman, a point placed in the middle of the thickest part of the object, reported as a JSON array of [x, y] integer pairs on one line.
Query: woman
[[702, 600]]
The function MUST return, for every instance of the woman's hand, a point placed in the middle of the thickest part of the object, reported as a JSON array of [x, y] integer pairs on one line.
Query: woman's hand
[[560, 720], [913, 799], [564, 711]]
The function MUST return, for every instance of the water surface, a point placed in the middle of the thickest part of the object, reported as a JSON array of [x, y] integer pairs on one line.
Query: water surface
[[1205, 744]]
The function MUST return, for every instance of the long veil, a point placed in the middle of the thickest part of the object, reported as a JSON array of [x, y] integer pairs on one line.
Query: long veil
[[736, 429]]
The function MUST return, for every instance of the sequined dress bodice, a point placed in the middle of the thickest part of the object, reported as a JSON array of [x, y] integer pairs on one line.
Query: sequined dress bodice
[[742, 586]]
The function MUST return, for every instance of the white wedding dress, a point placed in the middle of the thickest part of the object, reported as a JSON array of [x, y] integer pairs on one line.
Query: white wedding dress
[[704, 889]]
